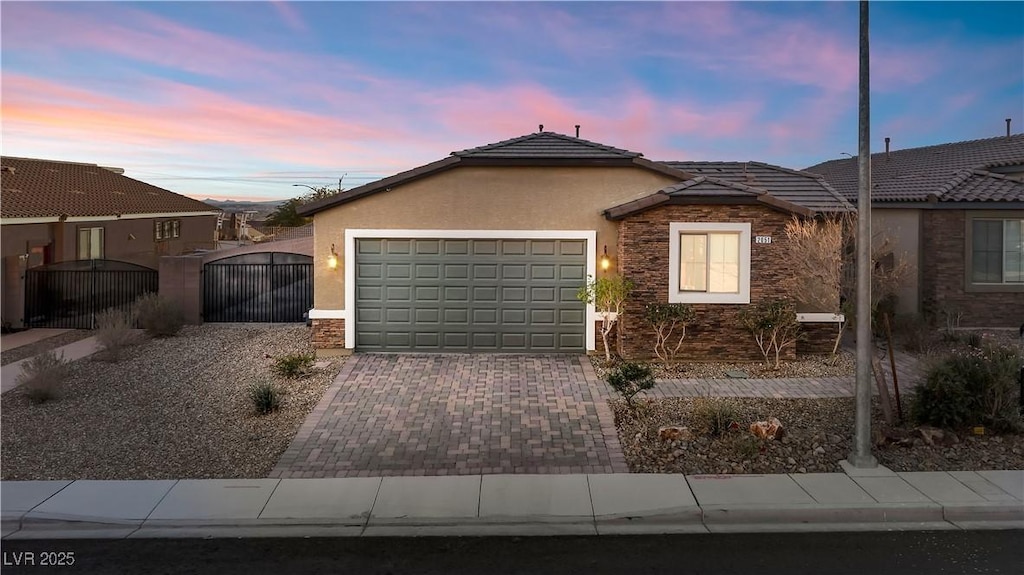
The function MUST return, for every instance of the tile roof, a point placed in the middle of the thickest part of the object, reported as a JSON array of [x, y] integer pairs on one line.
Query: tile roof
[[800, 188], [47, 188], [945, 172], [547, 145]]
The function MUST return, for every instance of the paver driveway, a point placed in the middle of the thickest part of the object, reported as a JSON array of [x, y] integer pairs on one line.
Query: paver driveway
[[413, 414]]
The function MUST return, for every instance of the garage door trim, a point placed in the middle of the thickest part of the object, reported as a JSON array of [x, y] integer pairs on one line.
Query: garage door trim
[[351, 235]]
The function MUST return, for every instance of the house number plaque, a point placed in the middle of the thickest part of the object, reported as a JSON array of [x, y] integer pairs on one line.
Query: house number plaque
[[762, 239]]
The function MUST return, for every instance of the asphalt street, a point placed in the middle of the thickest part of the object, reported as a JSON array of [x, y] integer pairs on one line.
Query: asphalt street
[[864, 553]]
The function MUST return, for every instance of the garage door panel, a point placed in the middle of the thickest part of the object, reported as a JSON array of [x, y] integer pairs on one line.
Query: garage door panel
[[513, 294], [398, 293], [485, 271], [488, 317], [542, 272], [427, 294], [398, 247], [572, 272], [456, 316], [427, 271], [456, 294], [572, 248], [485, 294], [428, 316], [470, 295]]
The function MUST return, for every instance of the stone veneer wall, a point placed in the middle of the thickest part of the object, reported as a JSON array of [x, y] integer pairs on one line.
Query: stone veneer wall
[[328, 333], [943, 274], [718, 335]]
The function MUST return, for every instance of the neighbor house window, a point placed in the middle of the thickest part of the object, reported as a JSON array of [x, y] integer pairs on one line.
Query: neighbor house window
[[90, 243], [167, 229], [710, 263], [997, 251]]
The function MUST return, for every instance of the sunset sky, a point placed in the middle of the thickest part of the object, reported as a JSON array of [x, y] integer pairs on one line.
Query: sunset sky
[[243, 99]]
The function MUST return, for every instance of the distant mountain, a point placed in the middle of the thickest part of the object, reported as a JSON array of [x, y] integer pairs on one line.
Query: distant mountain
[[263, 208]]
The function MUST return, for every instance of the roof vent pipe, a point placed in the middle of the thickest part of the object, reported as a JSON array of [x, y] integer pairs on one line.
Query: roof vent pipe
[[1008, 127], [577, 130], [540, 128], [887, 139]]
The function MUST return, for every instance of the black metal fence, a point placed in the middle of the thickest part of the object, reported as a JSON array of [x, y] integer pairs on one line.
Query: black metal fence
[[258, 287], [70, 294]]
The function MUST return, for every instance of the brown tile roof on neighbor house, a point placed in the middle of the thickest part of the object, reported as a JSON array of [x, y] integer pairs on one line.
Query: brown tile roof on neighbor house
[[954, 172], [46, 189], [801, 188]]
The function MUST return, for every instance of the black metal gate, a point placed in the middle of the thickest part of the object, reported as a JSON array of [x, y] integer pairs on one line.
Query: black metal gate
[[258, 287], [70, 294]]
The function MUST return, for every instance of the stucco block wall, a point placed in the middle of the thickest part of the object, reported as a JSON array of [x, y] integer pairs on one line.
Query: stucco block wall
[[644, 258], [944, 276], [482, 198]]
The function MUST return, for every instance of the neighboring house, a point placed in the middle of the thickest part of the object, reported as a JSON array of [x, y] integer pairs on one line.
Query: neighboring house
[[485, 250], [955, 212], [55, 212]]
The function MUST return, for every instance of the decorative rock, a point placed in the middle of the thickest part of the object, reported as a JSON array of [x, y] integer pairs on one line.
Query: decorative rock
[[771, 429], [819, 450], [931, 435], [675, 433]]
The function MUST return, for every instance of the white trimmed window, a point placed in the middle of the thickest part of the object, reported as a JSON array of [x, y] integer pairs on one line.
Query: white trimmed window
[[710, 263]]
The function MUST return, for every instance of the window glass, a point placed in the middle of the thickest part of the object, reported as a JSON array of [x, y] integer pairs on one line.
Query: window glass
[[159, 231], [90, 243], [987, 251], [1013, 252], [693, 262], [175, 227], [724, 263]]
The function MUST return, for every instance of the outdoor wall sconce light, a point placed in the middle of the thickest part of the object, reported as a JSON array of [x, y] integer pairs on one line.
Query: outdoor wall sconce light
[[606, 262], [332, 260]]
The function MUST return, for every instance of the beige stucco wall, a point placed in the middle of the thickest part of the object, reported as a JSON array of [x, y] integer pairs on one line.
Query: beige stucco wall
[[902, 226], [482, 198]]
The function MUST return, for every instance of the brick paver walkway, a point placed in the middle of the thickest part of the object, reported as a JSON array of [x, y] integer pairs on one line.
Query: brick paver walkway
[[409, 414]]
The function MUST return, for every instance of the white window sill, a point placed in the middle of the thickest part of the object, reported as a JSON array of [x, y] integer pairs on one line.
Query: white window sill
[[698, 297]]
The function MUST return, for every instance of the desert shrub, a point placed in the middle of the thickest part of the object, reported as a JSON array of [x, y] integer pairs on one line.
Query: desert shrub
[[265, 396], [158, 316], [773, 324], [714, 415], [630, 379], [666, 319], [294, 364], [972, 386], [42, 376], [114, 331]]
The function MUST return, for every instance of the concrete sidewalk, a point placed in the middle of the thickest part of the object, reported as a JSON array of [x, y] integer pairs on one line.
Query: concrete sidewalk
[[596, 504]]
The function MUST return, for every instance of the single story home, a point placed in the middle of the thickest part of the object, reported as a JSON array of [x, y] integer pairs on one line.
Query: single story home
[[54, 212], [955, 212], [484, 251]]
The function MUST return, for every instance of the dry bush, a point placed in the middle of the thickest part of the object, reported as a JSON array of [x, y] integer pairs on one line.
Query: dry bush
[[42, 376], [114, 332]]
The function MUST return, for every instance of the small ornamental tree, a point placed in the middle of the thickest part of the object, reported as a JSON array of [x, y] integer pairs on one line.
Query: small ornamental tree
[[669, 321], [630, 379], [608, 295], [773, 324]]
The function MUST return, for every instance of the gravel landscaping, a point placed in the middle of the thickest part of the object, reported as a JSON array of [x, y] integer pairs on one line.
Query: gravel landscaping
[[42, 346], [171, 408], [842, 364], [818, 434]]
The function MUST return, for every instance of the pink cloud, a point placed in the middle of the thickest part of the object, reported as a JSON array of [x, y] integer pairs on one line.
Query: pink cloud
[[291, 16]]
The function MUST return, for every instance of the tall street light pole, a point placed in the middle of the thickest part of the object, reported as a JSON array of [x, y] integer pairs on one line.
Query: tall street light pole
[[861, 454]]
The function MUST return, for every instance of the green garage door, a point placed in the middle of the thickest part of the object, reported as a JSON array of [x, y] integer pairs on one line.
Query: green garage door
[[458, 295]]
